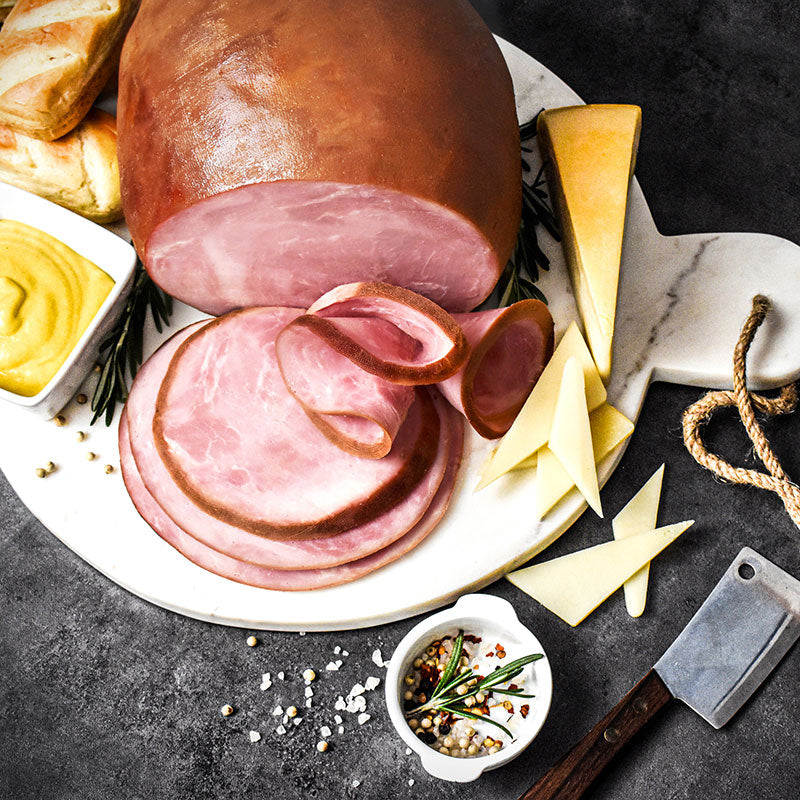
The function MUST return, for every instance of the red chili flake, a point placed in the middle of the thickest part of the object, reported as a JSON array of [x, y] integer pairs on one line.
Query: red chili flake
[[524, 710], [490, 654], [513, 687], [468, 637]]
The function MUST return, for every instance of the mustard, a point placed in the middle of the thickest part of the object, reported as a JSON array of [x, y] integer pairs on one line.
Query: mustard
[[48, 296]]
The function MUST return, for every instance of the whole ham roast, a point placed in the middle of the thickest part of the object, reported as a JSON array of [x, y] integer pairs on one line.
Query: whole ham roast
[[270, 151]]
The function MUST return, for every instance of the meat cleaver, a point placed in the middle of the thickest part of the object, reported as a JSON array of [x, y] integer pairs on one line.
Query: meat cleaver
[[739, 634]]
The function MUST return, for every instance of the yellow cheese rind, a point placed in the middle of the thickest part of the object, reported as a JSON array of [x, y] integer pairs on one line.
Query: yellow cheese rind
[[609, 428], [640, 514], [574, 585], [531, 428], [591, 151], [571, 435]]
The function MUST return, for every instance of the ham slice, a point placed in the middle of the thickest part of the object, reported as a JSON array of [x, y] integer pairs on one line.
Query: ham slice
[[300, 579], [240, 447], [351, 359], [509, 348], [217, 534], [271, 151]]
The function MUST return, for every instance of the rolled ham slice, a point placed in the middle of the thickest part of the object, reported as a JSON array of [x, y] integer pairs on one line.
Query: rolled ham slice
[[350, 360], [271, 151], [509, 348], [291, 580]]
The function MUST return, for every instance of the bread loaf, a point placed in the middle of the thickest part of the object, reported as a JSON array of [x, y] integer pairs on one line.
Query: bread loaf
[[78, 171], [55, 57]]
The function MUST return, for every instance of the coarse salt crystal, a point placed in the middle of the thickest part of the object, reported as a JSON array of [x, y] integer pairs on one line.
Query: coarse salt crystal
[[356, 784], [337, 719], [345, 653], [277, 711], [325, 731], [280, 730], [340, 705], [408, 751], [357, 690], [255, 736], [309, 691], [280, 676], [297, 720], [308, 702], [356, 704], [410, 781], [266, 685], [340, 729], [285, 718], [337, 650], [266, 676], [371, 683], [362, 718], [332, 666]]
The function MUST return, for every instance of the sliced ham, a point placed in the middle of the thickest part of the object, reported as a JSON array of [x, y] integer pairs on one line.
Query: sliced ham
[[272, 151], [239, 445], [509, 348], [350, 359], [374, 534], [289, 580]]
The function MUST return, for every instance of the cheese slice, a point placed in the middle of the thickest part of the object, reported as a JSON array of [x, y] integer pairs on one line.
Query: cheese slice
[[574, 585], [531, 428], [571, 435], [591, 151], [640, 514], [609, 428]]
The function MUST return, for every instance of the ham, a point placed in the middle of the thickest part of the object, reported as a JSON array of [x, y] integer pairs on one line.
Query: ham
[[323, 551], [509, 348], [351, 360], [270, 152], [289, 580]]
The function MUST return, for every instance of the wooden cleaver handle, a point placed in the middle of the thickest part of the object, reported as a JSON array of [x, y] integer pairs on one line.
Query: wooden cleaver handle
[[574, 773]]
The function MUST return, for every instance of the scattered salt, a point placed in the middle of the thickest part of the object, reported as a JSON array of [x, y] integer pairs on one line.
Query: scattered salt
[[337, 650], [345, 653], [377, 659], [340, 729], [280, 730], [408, 751], [371, 683], [410, 781], [255, 736], [280, 676], [325, 731], [297, 720], [362, 718], [308, 702], [357, 690], [356, 784], [340, 705], [332, 666], [277, 711], [337, 719], [309, 691]]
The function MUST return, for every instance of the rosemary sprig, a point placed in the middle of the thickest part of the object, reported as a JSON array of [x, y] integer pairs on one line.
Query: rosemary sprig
[[518, 281], [123, 345], [445, 697]]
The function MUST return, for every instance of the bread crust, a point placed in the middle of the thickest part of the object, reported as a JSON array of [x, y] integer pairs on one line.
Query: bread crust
[[78, 171], [55, 57]]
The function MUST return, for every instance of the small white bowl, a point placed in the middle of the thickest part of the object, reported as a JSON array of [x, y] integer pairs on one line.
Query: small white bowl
[[103, 248], [494, 620]]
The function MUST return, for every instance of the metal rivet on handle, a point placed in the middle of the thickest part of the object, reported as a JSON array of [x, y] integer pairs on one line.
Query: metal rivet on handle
[[640, 705], [611, 735]]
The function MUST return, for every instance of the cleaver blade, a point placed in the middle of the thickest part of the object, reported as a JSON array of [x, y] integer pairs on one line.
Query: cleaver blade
[[736, 638]]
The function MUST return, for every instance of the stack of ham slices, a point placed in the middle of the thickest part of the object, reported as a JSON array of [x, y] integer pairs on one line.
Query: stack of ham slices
[[292, 450]]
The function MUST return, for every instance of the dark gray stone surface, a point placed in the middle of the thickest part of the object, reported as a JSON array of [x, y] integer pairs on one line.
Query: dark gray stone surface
[[105, 696]]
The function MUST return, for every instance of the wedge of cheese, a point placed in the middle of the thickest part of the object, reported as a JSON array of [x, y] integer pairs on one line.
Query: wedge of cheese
[[570, 439], [609, 428], [640, 514], [531, 428], [591, 152], [574, 585]]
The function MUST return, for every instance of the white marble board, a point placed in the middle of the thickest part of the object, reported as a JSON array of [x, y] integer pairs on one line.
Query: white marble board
[[682, 301]]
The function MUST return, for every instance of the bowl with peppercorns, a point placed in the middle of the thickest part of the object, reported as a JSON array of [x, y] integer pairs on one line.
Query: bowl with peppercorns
[[469, 688]]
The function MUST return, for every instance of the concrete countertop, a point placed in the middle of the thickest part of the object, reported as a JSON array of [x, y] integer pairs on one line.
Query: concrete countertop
[[105, 696]]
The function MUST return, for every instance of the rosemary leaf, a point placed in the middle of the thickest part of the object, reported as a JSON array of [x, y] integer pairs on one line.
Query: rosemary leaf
[[122, 349], [452, 664], [480, 717]]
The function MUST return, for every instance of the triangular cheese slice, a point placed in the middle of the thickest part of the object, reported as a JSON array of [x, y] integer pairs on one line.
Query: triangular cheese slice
[[640, 514], [571, 435], [531, 428], [609, 428], [574, 585], [591, 151]]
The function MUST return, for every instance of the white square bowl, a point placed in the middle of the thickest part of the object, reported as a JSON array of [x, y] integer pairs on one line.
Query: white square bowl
[[113, 255]]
